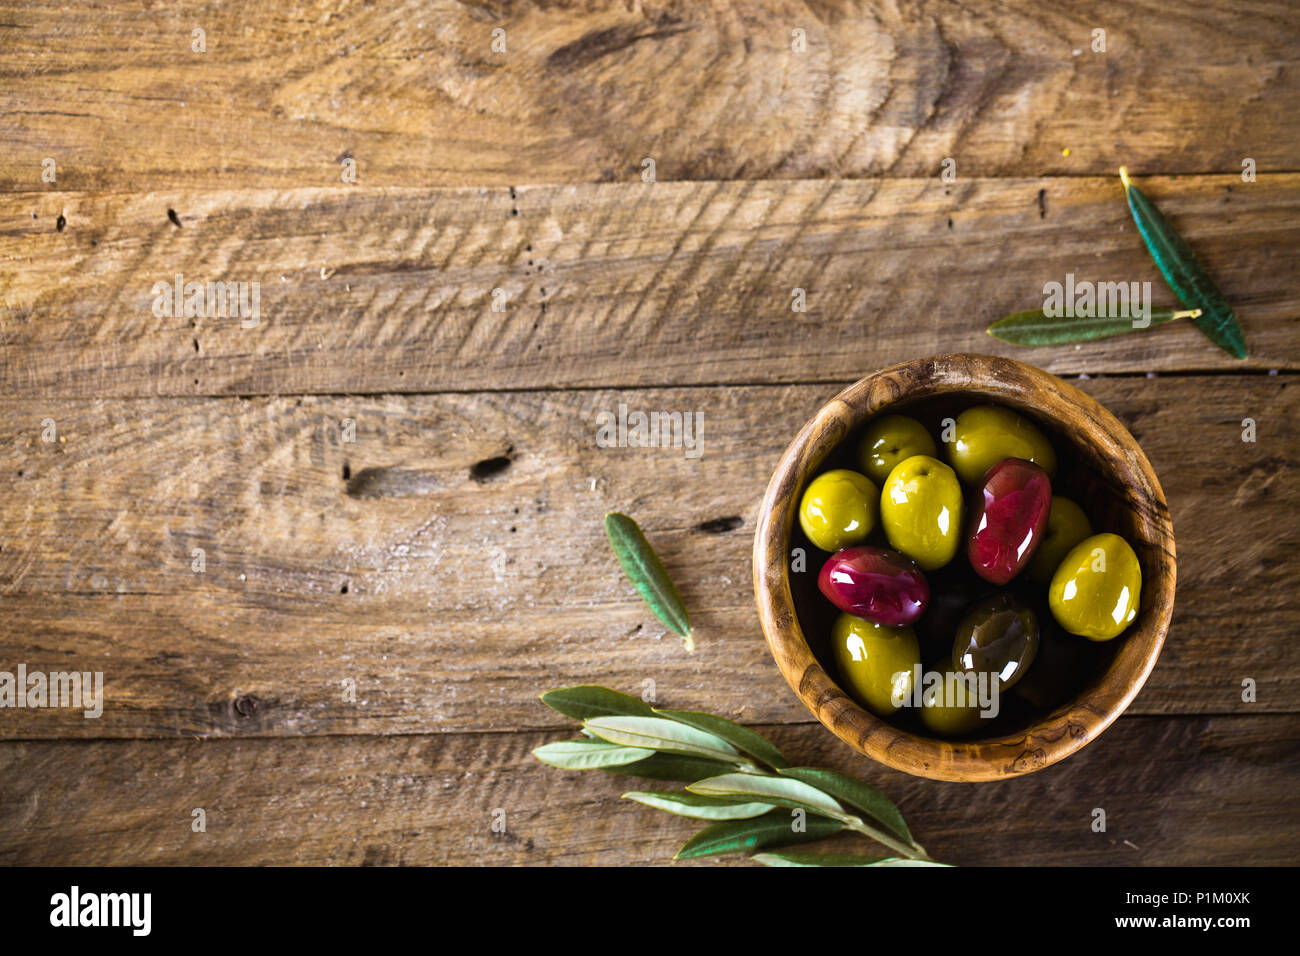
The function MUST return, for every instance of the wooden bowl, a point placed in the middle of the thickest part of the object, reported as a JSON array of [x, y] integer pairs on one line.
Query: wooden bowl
[[1123, 496]]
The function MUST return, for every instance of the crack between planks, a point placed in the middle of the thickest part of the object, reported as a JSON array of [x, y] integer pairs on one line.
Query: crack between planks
[[515, 731], [615, 387], [111, 191]]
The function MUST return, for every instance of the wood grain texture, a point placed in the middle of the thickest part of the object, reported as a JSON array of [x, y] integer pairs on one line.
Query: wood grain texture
[[468, 593], [1123, 496], [450, 561], [416, 94], [365, 290], [1185, 790]]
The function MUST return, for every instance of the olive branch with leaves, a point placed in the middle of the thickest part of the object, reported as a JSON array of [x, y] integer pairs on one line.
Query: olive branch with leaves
[[734, 777]]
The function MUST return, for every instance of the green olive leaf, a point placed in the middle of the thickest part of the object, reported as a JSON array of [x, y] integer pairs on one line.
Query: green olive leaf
[[899, 861], [777, 828], [589, 700], [818, 859], [697, 807], [660, 733], [735, 734], [1184, 274], [856, 794], [662, 766], [647, 573], [588, 754], [1036, 327], [781, 791], [837, 859]]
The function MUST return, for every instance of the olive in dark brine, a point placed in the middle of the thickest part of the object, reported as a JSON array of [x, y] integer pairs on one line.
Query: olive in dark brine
[[1061, 666]]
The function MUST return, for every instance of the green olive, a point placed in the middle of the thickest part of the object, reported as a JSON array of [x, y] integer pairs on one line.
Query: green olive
[[952, 721], [839, 509], [1095, 590], [921, 511], [1067, 525], [889, 440], [985, 434], [876, 662]]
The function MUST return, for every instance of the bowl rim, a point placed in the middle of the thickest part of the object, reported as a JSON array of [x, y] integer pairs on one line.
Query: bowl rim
[[1067, 728]]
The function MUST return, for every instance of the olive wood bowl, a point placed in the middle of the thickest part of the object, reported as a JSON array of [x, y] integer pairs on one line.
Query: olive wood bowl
[[1123, 496]]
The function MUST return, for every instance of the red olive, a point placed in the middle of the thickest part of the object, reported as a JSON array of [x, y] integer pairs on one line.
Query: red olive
[[1008, 519], [880, 585]]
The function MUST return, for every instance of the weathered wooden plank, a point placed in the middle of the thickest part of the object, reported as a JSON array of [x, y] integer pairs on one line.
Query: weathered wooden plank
[[1182, 790], [451, 561], [369, 290], [416, 93]]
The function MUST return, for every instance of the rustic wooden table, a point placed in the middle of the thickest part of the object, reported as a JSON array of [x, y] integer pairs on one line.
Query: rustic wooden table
[[385, 484]]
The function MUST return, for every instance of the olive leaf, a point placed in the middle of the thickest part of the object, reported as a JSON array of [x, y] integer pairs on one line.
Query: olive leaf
[[664, 766], [588, 700], [647, 574], [855, 793], [697, 807], [588, 754], [660, 733], [777, 790], [754, 744], [1036, 327], [836, 859], [786, 791], [818, 859], [776, 828], [897, 861], [1185, 276]]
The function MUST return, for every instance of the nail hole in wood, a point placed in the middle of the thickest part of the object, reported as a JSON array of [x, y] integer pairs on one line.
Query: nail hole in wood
[[720, 525], [489, 468]]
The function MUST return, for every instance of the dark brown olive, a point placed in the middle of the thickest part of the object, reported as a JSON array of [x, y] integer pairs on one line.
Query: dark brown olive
[[998, 635]]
